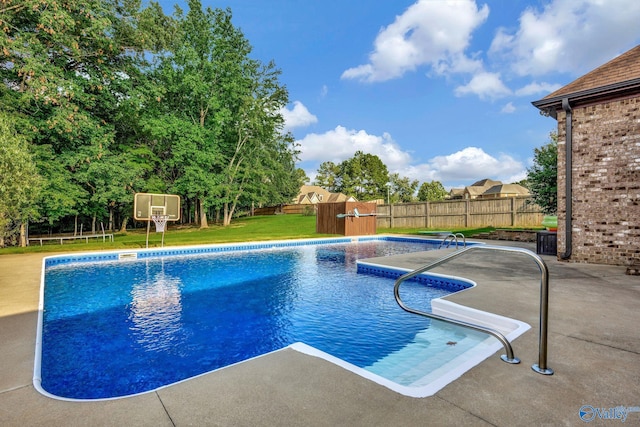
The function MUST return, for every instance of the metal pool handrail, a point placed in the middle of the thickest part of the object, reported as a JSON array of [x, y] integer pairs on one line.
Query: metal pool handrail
[[541, 366], [509, 357], [454, 238]]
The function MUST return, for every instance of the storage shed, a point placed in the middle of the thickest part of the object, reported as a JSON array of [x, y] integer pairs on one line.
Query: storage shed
[[346, 218]]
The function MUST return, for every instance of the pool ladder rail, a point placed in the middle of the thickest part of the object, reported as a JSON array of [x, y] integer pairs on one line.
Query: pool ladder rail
[[453, 237], [541, 366]]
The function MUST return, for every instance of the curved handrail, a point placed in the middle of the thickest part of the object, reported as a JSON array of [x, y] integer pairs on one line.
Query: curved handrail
[[541, 366], [454, 237], [509, 357], [448, 242]]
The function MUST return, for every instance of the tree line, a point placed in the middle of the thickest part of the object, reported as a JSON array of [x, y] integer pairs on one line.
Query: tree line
[[101, 99], [366, 177]]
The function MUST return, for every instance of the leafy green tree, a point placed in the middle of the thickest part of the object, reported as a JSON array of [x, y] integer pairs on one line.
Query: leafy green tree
[[542, 177], [327, 176], [301, 177], [363, 176], [202, 119], [254, 144], [20, 182], [432, 192], [401, 189], [279, 180], [216, 123], [68, 66]]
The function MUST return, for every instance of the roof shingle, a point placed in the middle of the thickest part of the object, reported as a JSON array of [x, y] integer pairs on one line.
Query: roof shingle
[[620, 69]]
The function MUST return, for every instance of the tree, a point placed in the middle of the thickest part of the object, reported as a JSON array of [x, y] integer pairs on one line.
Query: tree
[[67, 67], [432, 192], [301, 177], [20, 183], [542, 177], [216, 119], [363, 176], [401, 189], [327, 176], [118, 99], [254, 144], [279, 180]]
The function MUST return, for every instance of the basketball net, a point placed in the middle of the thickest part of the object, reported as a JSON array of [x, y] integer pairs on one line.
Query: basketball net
[[160, 221]]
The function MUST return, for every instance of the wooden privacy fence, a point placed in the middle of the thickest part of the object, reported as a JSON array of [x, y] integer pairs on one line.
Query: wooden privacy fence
[[286, 209], [474, 213]]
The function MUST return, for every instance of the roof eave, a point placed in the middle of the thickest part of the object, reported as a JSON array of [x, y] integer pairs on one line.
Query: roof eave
[[549, 106]]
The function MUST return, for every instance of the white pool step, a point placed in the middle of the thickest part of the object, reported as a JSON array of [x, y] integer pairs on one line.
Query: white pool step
[[431, 350]]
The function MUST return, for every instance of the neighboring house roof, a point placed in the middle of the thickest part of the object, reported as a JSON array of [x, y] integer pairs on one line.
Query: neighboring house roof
[[485, 183], [505, 190], [615, 79], [312, 194], [479, 187], [474, 190], [488, 189], [456, 193]]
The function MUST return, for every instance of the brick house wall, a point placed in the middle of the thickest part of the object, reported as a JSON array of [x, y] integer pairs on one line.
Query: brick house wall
[[606, 182]]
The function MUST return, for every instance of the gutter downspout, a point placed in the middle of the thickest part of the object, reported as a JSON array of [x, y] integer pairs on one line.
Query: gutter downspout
[[568, 178]]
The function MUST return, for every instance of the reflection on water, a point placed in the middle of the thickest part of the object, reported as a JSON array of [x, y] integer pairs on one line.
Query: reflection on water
[[156, 309]]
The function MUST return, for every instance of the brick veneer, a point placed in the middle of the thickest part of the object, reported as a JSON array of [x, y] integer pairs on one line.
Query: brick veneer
[[606, 182]]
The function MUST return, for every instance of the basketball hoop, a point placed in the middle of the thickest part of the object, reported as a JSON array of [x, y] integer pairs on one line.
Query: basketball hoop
[[159, 208], [160, 221]]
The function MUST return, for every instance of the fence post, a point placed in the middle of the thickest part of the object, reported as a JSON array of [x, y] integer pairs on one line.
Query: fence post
[[426, 215], [467, 213], [390, 215], [513, 211]]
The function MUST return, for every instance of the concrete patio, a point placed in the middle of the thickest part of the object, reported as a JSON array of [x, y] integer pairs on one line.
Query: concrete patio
[[594, 349]]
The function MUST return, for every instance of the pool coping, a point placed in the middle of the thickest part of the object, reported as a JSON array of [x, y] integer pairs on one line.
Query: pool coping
[[511, 328], [150, 253]]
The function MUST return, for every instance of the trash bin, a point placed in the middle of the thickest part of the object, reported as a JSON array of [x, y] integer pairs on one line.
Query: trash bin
[[547, 243]]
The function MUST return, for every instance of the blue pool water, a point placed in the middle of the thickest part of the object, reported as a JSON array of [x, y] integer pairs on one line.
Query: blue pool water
[[119, 328]]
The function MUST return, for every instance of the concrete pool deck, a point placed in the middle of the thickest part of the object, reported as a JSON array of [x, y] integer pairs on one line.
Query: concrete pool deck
[[594, 349]]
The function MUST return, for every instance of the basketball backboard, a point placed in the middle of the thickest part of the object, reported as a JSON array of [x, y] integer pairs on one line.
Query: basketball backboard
[[147, 204]]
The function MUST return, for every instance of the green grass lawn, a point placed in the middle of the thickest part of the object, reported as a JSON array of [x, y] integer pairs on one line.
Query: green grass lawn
[[259, 228]]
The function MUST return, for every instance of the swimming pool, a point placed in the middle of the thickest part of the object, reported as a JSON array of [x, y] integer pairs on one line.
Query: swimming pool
[[117, 324]]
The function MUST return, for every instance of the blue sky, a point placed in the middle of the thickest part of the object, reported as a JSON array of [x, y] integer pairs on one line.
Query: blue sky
[[439, 90]]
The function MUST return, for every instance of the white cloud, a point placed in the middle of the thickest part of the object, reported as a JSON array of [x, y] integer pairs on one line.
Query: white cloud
[[571, 36], [508, 109], [536, 88], [473, 163], [297, 117], [465, 167], [341, 143], [484, 85], [324, 91], [434, 33], [458, 169]]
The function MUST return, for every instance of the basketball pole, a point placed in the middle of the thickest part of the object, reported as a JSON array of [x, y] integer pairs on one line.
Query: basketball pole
[[148, 226], [148, 222]]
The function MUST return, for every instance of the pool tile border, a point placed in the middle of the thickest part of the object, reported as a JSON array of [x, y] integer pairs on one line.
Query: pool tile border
[[447, 283], [122, 255]]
